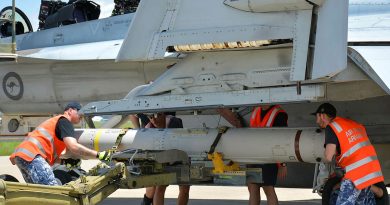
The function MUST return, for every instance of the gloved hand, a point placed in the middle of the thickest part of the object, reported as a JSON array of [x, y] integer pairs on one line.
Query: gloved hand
[[104, 155]]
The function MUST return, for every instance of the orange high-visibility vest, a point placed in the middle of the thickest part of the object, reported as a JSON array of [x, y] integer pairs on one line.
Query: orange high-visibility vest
[[358, 156], [42, 141], [268, 119]]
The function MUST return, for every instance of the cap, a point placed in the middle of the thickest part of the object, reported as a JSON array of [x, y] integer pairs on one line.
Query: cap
[[326, 108], [73, 105]]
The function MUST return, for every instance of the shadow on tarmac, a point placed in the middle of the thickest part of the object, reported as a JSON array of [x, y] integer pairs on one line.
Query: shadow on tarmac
[[137, 201]]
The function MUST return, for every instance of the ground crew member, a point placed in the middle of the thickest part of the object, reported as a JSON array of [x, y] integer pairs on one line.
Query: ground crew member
[[42, 147], [267, 116], [155, 195], [347, 140]]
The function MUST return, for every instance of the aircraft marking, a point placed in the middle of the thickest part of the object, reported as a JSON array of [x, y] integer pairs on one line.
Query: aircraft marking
[[13, 86]]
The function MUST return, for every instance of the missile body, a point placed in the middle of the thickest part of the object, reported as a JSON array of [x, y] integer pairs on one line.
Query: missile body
[[245, 145]]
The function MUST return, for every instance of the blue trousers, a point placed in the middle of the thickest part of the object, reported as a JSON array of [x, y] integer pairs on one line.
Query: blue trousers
[[38, 171], [349, 195]]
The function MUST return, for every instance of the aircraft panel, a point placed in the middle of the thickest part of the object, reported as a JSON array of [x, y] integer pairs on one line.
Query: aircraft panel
[[103, 50], [180, 22], [192, 18], [374, 61], [34, 86], [369, 21], [107, 29], [369, 28], [330, 52]]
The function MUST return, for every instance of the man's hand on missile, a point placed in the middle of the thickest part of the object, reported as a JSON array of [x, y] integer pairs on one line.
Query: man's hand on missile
[[104, 155]]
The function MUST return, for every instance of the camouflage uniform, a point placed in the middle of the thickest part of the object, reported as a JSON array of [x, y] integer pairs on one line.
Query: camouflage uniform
[[349, 195], [333, 197], [38, 171]]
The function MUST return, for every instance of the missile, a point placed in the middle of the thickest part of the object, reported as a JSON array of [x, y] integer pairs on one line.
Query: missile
[[244, 145], [268, 5]]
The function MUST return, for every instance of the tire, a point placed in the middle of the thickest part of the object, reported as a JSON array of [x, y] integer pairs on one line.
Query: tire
[[8, 178], [328, 188], [62, 176]]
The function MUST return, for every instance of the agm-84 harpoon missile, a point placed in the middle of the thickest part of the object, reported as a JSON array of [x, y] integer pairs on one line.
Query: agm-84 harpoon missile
[[244, 145]]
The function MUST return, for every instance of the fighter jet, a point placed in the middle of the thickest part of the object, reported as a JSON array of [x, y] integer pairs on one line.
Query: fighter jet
[[244, 53], [294, 53]]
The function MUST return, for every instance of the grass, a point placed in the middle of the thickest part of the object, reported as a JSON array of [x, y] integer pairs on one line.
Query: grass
[[6, 148]]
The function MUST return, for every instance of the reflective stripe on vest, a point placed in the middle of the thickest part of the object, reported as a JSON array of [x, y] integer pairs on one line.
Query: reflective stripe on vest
[[355, 148], [337, 126], [25, 151], [360, 163], [257, 120], [367, 178], [254, 112], [272, 116], [48, 136], [36, 142], [358, 156], [254, 120], [41, 141]]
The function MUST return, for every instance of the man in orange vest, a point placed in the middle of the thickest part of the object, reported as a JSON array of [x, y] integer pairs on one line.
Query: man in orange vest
[[347, 140], [267, 116], [42, 147]]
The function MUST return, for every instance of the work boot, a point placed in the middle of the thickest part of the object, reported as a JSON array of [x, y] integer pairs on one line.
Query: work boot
[[147, 201]]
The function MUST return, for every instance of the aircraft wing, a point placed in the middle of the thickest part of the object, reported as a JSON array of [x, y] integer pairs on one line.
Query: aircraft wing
[[104, 50], [224, 25], [374, 61], [90, 40], [369, 21]]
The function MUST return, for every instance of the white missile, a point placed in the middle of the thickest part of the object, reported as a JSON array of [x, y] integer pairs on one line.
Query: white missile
[[269, 5], [244, 145]]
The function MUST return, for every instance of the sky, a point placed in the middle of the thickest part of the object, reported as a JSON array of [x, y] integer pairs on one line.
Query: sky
[[31, 8]]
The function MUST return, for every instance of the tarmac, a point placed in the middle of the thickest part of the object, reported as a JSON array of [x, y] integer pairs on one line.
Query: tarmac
[[199, 195]]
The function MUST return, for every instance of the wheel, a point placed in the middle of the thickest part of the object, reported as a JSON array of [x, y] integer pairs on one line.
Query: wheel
[[8, 178], [62, 176]]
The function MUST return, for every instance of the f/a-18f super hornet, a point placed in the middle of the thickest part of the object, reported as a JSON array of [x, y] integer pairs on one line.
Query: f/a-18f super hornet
[[243, 53], [237, 54]]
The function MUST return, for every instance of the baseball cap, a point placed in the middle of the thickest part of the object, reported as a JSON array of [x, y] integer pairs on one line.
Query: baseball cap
[[326, 108], [73, 105]]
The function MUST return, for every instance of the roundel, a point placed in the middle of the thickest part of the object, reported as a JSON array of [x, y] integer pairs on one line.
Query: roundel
[[13, 86]]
